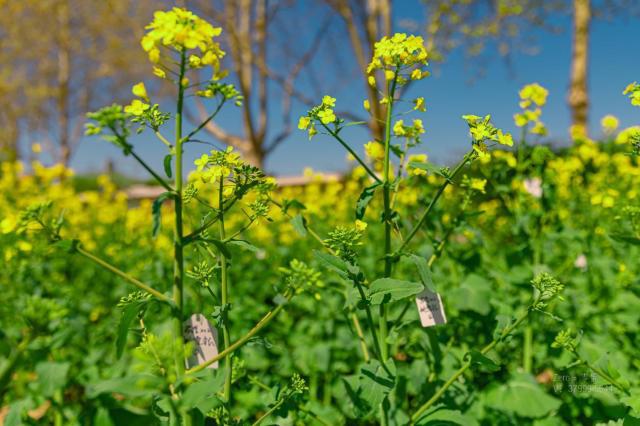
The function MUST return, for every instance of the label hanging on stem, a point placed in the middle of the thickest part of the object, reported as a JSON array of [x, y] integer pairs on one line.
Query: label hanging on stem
[[204, 337], [430, 309]]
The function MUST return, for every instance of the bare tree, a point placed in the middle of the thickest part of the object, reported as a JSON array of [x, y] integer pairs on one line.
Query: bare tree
[[60, 58], [251, 29], [578, 98]]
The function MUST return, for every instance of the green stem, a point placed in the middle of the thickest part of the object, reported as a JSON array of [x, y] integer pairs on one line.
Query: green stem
[[268, 413], [507, 331], [363, 342], [527, 355], [124, 275], [352, 152], [162, 139], [374, 335], [206, 121], [241, 341], [608, 378], [388, 261], [178, 246], [224, 296], [433, 202], [156, 176], [191, 237]]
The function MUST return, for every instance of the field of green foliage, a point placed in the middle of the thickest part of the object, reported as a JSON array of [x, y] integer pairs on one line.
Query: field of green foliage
[[501, 290]]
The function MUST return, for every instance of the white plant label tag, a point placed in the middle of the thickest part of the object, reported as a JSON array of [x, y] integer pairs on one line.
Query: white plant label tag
[[430, 309], [205, 338]]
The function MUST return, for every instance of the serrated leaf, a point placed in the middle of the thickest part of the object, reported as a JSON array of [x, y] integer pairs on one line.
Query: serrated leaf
[[424, 271], [363, 201], [167, 165], [298, 223], [376, 382], [385, 290], [156, 209]]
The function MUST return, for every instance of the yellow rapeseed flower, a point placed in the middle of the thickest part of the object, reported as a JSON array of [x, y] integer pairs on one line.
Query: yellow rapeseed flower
[[140, 91], [609, 123]]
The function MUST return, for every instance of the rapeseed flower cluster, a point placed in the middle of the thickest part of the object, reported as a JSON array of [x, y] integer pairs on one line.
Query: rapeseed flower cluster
[[184, 32], [483, 131], [633, 91], [399, 53], [532, 98], [322, 113]]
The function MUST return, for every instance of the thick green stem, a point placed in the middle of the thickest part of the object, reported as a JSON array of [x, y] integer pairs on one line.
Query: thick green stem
[[388, 262], [178, 247], [224, 296]]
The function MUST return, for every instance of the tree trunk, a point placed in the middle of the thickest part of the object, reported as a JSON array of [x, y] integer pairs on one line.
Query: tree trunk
[[64, 69], [254, 156], [578, 91]]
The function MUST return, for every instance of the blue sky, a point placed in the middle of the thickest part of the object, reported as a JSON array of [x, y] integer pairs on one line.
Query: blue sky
[[448, 93]]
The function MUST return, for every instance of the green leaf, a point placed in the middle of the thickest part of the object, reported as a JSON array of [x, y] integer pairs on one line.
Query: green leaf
[[102, 418], [440, 416], [156, 210], [299, 225], [632, 401], [221, 246], [483, 362], [129, 313], [332, 262], [522, 396], [364, 199], [386, 290], [376, 382], [424, 271], [167, 165], [52, 376], [70, 246], [136, 385], [626, 239], [474, 294], [244, 244], [203, 392], [16, 409]]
